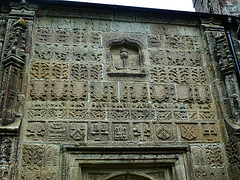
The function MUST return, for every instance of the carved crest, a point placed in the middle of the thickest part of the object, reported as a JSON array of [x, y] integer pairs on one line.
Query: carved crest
[[188, 131], [163, 133]]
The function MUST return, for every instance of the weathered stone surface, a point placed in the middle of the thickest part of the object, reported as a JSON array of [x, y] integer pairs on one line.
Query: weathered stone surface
[[112, 93]]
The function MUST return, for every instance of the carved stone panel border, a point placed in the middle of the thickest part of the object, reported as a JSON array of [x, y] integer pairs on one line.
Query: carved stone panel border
[[165, 158]]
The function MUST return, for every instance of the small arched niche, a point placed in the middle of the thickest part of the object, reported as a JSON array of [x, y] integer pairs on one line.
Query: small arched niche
[[125, 57]]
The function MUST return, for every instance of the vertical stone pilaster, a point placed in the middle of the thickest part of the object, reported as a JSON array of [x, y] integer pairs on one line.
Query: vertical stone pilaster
[[15, 55], [227, 95], [15, 49]]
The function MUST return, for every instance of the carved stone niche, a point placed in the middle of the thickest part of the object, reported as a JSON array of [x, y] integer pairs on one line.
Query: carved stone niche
[[125, 58], [113, 163]]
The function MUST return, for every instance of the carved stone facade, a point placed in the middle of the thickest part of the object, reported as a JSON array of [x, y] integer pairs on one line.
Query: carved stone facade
[[97, 92], [226, 51]]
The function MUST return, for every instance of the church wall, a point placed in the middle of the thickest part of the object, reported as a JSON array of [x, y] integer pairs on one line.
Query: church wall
[[105, 91]]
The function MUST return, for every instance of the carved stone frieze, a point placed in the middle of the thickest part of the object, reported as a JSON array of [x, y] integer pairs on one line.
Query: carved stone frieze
[[171, 111], [119, 129], [110, 92], [43, 70], [66, 52], [65, 35], [178, 75], [175, 58], [201, 111], [86, 71], [36, 131], [99, 131], [58, 90]]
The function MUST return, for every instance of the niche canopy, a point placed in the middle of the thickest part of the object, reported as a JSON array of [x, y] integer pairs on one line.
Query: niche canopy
[[125, 57]]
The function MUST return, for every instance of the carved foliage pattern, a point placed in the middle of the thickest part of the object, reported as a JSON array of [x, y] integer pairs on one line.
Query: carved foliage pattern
[[86, 72], [37, 160], [178, 75], [233, 150], [208, 161]]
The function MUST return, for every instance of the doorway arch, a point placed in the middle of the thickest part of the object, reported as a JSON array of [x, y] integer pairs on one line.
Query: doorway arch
[[128, 177]]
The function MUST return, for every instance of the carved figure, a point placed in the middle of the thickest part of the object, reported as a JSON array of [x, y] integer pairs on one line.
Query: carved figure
[[124, 57]]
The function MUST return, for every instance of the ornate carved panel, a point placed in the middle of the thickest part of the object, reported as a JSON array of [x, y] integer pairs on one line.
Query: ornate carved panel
[[125, 57]]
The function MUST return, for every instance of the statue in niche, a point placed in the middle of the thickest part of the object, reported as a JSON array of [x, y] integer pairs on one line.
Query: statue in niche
[[125, 58]]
